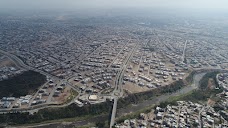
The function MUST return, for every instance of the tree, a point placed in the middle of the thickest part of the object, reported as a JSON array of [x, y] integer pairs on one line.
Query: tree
[[100, 124]]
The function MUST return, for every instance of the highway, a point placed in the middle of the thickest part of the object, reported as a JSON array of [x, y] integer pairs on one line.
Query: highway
[[113, 112], [20, 64], [116, 56], [143, 104], [118, 91]]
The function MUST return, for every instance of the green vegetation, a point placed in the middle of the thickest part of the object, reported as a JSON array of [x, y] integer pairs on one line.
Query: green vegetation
[[138, 97], [53, 121], [189, 78], [86, 126], [200, 95], [89, 110], [56, 113], [100, 124], [73, 94], [204, 81], [135, 114], [73, 110], [26, 83]]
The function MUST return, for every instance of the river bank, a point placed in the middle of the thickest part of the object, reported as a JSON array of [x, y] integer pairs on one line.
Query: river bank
[[131, 108], [156, 100]]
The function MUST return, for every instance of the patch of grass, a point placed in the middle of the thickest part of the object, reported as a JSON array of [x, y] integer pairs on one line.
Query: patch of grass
[[135, 114], [205, 80], [62, 120], [86, 126], [46, 114], [138, 97], [73, 94], [189, 78]]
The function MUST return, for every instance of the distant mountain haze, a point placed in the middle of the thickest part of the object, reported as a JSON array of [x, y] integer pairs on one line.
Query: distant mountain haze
[[107, 4]]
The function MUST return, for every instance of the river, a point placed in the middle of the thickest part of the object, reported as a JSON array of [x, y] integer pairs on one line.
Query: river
[[123, 111], [156, 100]]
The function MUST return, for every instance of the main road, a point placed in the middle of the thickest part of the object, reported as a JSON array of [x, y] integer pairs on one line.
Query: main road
[[19, 63], [123, 111], [118, 91]]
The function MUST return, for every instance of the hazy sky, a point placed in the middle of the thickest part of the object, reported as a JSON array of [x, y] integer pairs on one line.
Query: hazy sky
[[87, 6], [104, 4]]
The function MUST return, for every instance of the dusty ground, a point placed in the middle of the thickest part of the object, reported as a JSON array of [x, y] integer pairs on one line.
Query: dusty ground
[[210, 102], [210, 83], [151, 114], [59, 71], [134, 88], [4, 61], [63, 96]]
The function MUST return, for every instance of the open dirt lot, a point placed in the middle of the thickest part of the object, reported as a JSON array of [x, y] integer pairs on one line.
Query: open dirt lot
[[4, 61]]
